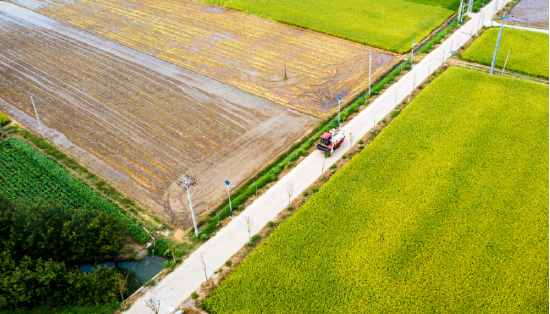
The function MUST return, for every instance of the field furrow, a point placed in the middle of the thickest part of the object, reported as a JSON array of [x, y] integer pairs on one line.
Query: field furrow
[[245, 51]]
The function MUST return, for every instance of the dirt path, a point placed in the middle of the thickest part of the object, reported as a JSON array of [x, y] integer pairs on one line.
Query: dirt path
[[134, 120], [233, 47]]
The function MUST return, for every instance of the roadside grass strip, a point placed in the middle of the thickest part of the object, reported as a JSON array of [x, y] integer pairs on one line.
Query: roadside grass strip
[[528, 51], [387, 24], [27, 175], [446, 211]]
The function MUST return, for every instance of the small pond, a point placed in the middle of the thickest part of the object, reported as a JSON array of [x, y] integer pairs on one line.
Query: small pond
[[138, 272]]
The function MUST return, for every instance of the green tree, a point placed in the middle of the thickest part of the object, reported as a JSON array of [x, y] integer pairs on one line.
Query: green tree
[[48, 231]]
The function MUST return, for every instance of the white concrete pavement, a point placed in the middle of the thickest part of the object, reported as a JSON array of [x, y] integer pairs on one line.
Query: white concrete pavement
[[178, 286], [538, 30]]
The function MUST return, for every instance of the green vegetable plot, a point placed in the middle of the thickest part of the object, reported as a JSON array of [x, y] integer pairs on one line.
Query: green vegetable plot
[[27, 175], [528, 51], [445, 212], [386, 24]]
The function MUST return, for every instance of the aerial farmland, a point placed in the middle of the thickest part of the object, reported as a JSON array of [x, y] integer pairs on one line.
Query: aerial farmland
[[274, 156]]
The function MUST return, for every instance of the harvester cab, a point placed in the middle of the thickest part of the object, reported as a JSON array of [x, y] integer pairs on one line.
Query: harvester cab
[[331, 140]]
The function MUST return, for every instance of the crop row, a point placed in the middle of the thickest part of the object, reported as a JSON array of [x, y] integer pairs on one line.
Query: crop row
[[27, 175]]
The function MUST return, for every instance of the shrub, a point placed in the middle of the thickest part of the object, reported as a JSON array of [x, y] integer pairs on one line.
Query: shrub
[[270, 224], [255, 238], [360, 141], [205, 237], [151, 282], [194, 295], [395, 113], [305, 192], [4, 119], [228, 263], [289, 208]]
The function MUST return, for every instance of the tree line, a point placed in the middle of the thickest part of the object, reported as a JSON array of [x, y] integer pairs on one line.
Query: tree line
[[42, 244]]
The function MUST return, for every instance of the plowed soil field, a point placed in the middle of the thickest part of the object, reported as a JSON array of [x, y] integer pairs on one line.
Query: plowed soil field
[[242, 50], [137, 121], [530, 13]]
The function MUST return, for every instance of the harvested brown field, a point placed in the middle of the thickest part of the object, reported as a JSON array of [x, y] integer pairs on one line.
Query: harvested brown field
[[241, 50], [134, 120], [531, 13]]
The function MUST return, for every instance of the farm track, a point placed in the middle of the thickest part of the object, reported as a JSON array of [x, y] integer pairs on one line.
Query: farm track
[[235, 48], [140, 129]]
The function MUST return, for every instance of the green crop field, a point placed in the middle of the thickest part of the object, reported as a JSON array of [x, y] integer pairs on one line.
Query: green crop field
[[447, 4], [528, 51], [445, 212], [28, 175], [386, 24]]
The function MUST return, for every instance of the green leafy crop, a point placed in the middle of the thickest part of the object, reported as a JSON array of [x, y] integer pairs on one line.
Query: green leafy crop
[[27, 175]]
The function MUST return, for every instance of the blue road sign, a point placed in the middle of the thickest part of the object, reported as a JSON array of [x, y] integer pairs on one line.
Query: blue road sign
[[227, 182], [452, 51], [414, 42], [339, 98]]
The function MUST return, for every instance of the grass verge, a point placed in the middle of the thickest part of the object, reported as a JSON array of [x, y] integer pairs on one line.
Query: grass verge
[[449, 210]]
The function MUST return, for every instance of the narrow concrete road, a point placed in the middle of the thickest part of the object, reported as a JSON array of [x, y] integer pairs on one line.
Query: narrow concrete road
[[538, 30], [177, 286]]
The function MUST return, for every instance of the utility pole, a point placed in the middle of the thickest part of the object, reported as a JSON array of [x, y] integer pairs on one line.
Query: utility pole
[[412, 53], [339, 100], [460, 13], [284, 54], [227, 183], [37, 118], [501, 74], [481, 17], [370, 66], [498, 43], [185, 183], [494, 11]]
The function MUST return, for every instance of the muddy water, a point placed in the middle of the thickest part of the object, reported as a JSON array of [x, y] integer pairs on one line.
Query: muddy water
[[235, 48], [137, 272], [530, 13], [134, 120]]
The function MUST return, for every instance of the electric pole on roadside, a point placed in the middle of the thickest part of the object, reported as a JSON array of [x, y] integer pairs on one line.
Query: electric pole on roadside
[[412, 52], [494, 11], [37, 118], [459, 19], [370, 66], [498, 43], [185, 183]]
